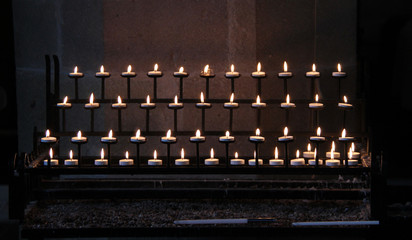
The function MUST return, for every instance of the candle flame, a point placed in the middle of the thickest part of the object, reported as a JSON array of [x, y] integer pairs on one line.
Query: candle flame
[[47, 133], [332, 154], [181, 69], [148, 99], [102, 154], [71, 154], [127, 154], [309, 147], [350, 153], [101, 69], [232, 96], [65, 100], [79, 134], [75, 69], [259, 67], [258, 99], [91, 99], [344, 133], [202, 98], [297, 153], [175, 99], [254, 154], [353, 146], [129, 68], [232, 68], [168, 134], [227, 134], [276, 153], [51, 153], [206, 69], [197, 133], [156, 67], [155, 154], [285, 66], [236, 155], [287, 99], [212, 153], [339, 67], [333, 146], [318, 132], [119, 99], [316, 97], [345, 99], [314, 154], [257, 131], [138, 133], [285, 131], [110, 135], [182, 153], [313, 68]]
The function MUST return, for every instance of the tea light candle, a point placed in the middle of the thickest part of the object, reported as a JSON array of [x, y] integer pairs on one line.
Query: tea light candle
[[138, 138], [257, 138], [119, 104], [237, 160], [339, 74], [64, 104], [345, 104], [198, 137], [355, 155], [309, 153], [154, 161], [53, 162], [79, 138], [344, 138], [168, 138], [102, 73], [207, 72], [129, 72], [71, 161], [276, 161], [182, 160], [231, 104], [297, 161], [227, 138], [316, 104], [47, 138], [313, 73], [287, 104], [175, 104], [332, 152], [252, 161], [75, 74], [202, 103], [155, 72], [102, 161], [312, 162], [148, 104], [232, 73], [126, 161], [181, 73], [91, 103], [258, 104], [332, 161], [109, 138], [258, 72], [212, 160], [285, 73], [317, 138], [351, 161], [285, 137]]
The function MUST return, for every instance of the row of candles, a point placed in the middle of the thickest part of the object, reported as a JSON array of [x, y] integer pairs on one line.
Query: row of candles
[[257, 138]]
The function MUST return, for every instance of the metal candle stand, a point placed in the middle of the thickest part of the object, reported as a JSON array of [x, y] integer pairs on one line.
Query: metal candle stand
[[313, 79], [317, 143], [286, 151], [345, 155], [63, 108], [285, 83], [259, 93], [168, 150], [155, 84], [227, 142], [128, 76], [148, 108], [175, 108], [79, 153], [119, 117], [197, 142], [108, 151], [103, 84], [181, 84], [256, 151], [138, 143], [207, 77], [76, 84]]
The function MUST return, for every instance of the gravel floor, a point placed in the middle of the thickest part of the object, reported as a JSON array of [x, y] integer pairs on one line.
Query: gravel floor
[[134, 213]]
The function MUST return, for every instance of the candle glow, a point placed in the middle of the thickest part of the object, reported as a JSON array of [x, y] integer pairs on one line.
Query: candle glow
[[51, 153], [75, 69], [287, 99], [101, 69], [212, 153], [71, 154], [47, 133], [102, 154], [318, 132], [156, 67], [227, 134], [155, 154], [285, 66], [314, 68], [79, 134], [138, 133], [119, 99], [285, 131], [65, 100], [197, 133], [232, 68], [259, 67], [148, 99], [309, 147], [339, 68], [206, 69], [110, 135], [344, 133], [127, 154], [258, 99], [202, 98], [316, 97], [176, 99], [276, 153], [129, 68], [345, 99], [232, 96], [91, 98], [257, 131], [168, 134], [236, 155], [297, 153], [181, 69], [182, 153]]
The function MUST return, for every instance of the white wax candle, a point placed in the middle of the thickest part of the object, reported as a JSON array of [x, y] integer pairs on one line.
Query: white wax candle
[[258, 72], [203, 105], [211, 161], [315, 105], [119, 103], [48, 138], [125, 162], [256, 138], [237, 161], [347, 139], [100, 162], [258, 105], [102, 73], [232, 74], [285, 138], [285, 74], [79, 139], [168, 138], [109, 138], [197, 139], [339, 73], [297, 162], [252, 162], [227, 138], [129, 72], [181, 162], [154, 162], [155, 72], [332, 162], [175, 105], [76, 74], [335, 154], [313, 162], [355, 155], [345, 105], [148, 105], [71, 162], [139, 139], [352, 162], [287, 105], [230, 105], [64, 104], [313, 73], [92, 105], [317, 138], [181, 73], [308, 154], [53, 162], [276, 162]]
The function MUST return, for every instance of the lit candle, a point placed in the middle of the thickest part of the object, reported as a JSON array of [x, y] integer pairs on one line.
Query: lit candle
[[232, 73], [119, 103], [75, 74], [71, 161], [148, 104], [212, 160], [181, 73], [309, 153], [102, 161], [258, 104], [53, 162], [332, 161], [297, 161], [285, 137], [168, 138], [47, 138], [109, 138], [318, 137], [287, 104], [344, 138], [137, 138], [316, 104], [345, 103], [312, 162], [154, 161], [64, 104], [351, 161], [339, 73], [129, 72], [91, 103], [237, 160], [155, 72], [355, 155], [257, 138], [231, 104], [176, 104], [182, 160], [207, 72], [252, 161], [102, 73], [285, 73], [197, 137], [313, 73], [276, 161], [332, 150], [202, 103], [258, 72], [227, 138], [79, 138], [126, 161]]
